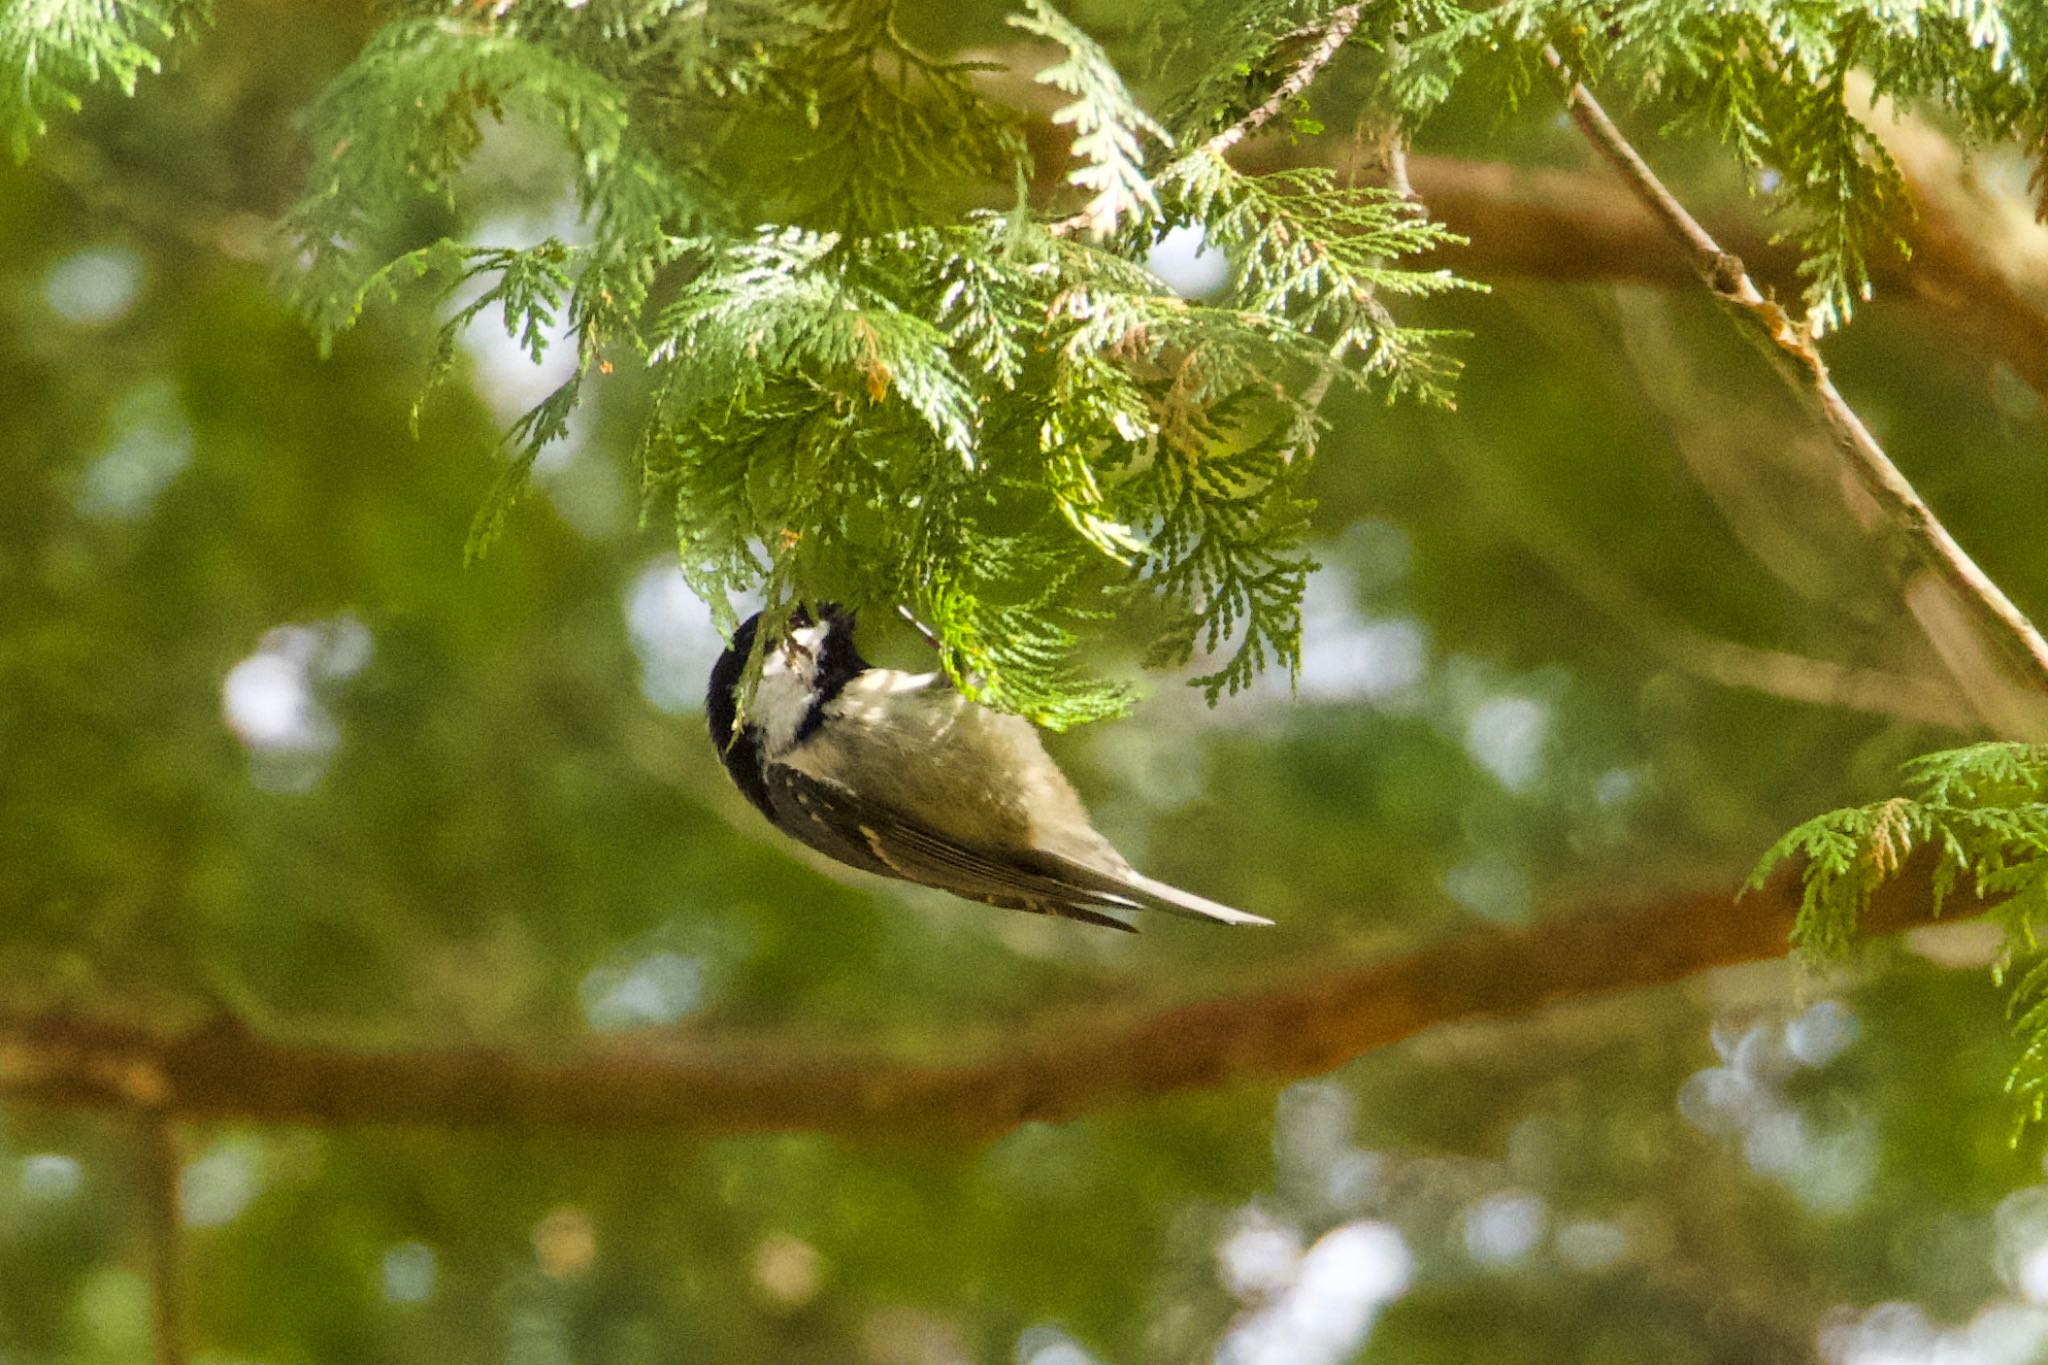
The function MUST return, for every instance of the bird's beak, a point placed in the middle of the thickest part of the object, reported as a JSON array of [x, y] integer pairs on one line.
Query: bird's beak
[[802, 642]]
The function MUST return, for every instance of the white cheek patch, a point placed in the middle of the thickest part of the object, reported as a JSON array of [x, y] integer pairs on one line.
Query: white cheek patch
[[781, 702], [809, 639]]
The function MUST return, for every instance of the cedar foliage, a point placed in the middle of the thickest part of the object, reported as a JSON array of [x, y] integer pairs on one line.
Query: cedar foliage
[[882, 371], [1982, 812], [980, 406]]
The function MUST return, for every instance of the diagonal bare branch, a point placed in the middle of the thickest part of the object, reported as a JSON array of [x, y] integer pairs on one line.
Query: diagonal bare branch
[[2016, 709]]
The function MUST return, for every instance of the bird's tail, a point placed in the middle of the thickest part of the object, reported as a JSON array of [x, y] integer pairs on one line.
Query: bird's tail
[[1157, 895]]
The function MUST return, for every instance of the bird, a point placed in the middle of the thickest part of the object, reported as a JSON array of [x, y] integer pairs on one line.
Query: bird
[[900, 774]]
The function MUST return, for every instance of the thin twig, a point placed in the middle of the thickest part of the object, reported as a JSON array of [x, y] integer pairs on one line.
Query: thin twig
[[1061, 1070], [930, 636], [1334, 35], [1329, 42], [1993, 614], [160, 1171]]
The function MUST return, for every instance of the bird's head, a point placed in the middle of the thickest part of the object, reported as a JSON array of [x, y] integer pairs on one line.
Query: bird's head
[[814, 659], [818, 652]]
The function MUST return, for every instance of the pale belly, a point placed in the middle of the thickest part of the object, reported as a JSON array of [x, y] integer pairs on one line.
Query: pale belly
[[976, 775]]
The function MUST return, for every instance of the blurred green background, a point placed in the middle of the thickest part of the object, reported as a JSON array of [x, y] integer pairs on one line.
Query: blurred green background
[[266, 746]]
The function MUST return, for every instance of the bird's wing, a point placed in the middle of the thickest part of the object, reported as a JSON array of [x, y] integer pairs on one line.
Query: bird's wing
[[842, 824], [821, 815]]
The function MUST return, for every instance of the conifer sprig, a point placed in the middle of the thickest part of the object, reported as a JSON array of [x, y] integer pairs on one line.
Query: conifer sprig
[[51, 51], [872, 385], [1784, 85], [1111, 130], [1981, 815]]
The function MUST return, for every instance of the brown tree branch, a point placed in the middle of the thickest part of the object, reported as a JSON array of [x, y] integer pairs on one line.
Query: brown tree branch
[[1573, 227], [1951, 273], [1276, 1035], [1564, 226], [1791, 344]]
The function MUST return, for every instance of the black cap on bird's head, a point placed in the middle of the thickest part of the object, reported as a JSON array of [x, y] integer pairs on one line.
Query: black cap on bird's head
[[741, 753], [834, 659], [820, 650]]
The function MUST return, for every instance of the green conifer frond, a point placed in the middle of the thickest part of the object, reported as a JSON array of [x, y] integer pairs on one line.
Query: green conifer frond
[[1321, 255], [1981, 813], [888, 129], [1230, 551], [1005, 428], [52, 50], [1768, 79], [544, 422], [1110, 129], [785, 305], [869, 383], [403, 120]]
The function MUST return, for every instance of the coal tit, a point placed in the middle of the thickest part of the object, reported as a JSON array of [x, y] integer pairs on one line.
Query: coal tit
[[900, 774]]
